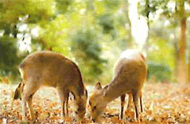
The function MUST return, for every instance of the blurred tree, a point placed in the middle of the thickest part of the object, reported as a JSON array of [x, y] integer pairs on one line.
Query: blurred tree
[[160, 71], [87, 52], [62, 5], [53, 34], [107, 22], [89, 32], [19, 17], [182, 75], [33, 13], [9, 59], [178, 13], [126, 11]]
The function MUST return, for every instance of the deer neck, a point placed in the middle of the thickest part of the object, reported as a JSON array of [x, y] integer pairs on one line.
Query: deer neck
[[115, 89]]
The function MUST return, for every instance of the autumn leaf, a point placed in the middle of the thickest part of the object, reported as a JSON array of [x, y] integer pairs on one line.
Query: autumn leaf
[[163, 103]]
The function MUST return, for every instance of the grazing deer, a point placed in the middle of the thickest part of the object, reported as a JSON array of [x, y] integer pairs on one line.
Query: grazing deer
[[129, 76], [54, 70]]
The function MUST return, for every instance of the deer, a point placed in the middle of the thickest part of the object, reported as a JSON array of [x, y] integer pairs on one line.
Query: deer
[[45, 68], [129, 76]]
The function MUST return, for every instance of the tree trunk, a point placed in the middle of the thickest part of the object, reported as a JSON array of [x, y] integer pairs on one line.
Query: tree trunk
[[182, 76], [176, 55], [188, 68]]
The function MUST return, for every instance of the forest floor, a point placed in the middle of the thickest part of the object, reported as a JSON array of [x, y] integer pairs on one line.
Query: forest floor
[[163, 103]]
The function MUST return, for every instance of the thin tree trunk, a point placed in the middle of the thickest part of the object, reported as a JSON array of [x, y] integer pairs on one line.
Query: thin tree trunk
[[176, 51], [188, 67], [182, 76], [176, 55]]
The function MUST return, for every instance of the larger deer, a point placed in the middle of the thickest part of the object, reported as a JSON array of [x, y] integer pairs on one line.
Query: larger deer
[[54, 70], [129, 76]]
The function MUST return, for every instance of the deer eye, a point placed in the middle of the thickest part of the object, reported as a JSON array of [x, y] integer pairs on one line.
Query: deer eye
[[90, 103], [94, 108], [76, 112]]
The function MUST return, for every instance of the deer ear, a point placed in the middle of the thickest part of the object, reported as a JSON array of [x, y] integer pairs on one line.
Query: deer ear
[[18, 91], [86, 93], [98, 86]]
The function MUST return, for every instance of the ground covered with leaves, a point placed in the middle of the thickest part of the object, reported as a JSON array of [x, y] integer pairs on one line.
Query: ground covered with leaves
[[163, 103]]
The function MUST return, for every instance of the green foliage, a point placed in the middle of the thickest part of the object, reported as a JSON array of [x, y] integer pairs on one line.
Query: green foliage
[[86, 32], [107, 22], [36, 10], [151, 6], [54, 35], [161, 71], [8, 57], [40, 11], [62, 5], [161, 56], [162, 51], [99, 5], [112, 5], [87, 52], [109, 25]]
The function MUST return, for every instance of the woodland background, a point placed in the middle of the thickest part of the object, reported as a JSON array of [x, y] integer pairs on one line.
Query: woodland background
[[93, 33]]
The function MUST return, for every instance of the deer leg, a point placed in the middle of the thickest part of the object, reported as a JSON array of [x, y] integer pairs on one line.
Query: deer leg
[[141, 102], [28, 92], [135, 100], [30, 107], [129, 100], [122, 105], [66, 103], [63, 97], [24, 114]]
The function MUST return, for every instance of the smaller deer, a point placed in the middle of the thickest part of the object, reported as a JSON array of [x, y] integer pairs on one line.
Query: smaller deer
[[51, 69], [130, 75]]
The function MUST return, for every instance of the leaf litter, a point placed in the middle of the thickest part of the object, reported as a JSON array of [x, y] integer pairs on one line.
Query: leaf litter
[[163, 103]]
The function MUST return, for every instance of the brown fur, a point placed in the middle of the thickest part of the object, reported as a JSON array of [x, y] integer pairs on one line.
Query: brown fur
[[129, 77], [54, 70]]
